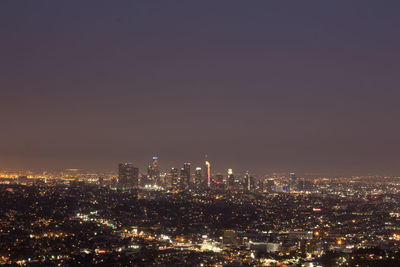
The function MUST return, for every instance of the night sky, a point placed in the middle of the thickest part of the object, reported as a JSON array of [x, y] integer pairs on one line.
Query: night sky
[[311, 87]]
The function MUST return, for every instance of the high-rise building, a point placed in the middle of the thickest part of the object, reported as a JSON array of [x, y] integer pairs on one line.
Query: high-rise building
[[208, 173], [163, 179], [174, 177], [128, 175], [219, 181], [135, 181], [155, 163], [186, 168], [230, 179], [184, 180], [123, 173], [260, 185], [229, 237], [198, 177], [234, 182], [292, 182], [237, 183], [247, 180], [153, 171]]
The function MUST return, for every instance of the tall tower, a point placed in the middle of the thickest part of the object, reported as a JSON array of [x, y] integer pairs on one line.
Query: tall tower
[[135, 180], [185, 175], [156, 171], [153, 171], [292, 181], [174, 177], [247, 180], [198, 177], [186, 167], [208, 173], [128, 175], [230, 179]]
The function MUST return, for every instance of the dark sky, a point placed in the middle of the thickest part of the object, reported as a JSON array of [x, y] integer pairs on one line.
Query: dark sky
[[307, 86]]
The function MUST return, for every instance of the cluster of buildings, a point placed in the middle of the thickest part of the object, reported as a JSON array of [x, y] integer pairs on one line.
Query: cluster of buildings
[[188, 177]]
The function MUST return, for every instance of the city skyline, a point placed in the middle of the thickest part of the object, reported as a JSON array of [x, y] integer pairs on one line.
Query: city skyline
[[167, 165]]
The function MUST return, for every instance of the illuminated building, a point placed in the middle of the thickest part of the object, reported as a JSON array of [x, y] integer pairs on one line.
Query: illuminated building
[[153, 171], [230, 179], [135, 180], [247, 180], [186, 168], [237, 183], [292, 182], [219, 183], [198, 177], [233, 182], [128, 175], [174, 177], [229, 237], [260, 185], [208, 173], [184, 180]]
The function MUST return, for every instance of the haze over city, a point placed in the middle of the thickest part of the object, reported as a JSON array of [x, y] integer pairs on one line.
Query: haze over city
[[266, 86]]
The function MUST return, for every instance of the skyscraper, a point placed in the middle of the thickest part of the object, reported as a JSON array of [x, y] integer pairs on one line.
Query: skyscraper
[[186, 168], [208, 173], [153, 171], [198, 177], [292, 182], [174, 177], [230, 179], [249, 181], [128, 175], [229, 237], [184, 181]]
